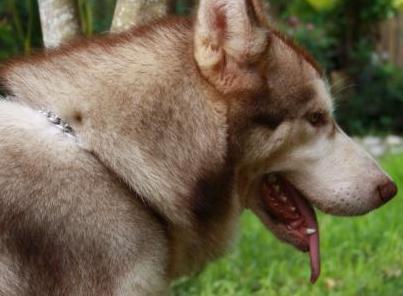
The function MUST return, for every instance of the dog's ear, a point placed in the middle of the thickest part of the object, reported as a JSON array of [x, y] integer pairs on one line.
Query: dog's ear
[[230, 39]]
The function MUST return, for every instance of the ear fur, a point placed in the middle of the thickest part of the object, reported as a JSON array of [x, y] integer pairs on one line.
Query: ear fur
[[230, 38]]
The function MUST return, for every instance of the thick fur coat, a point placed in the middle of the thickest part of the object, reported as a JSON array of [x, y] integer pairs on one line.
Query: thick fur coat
[[175, 124]]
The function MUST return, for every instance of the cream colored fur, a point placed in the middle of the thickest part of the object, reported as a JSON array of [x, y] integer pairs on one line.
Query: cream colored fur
[[167, 153]]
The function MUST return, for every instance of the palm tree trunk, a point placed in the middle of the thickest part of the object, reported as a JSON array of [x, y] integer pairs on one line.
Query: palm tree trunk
[[129, 13], [59, 20]]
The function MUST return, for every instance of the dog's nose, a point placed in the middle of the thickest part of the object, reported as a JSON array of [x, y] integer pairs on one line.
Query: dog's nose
[[387, 191]]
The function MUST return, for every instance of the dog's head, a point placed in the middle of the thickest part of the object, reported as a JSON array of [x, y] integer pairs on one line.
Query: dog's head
[[291, 154]]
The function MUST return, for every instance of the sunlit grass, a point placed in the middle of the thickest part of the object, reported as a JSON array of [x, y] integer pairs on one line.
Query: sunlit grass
[[360, 256]]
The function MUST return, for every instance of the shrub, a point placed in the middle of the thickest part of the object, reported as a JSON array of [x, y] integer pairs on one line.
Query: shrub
[[377, 102], [342, 36]]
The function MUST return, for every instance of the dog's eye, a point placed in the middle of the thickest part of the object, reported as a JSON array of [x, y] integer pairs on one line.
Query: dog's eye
[[317, 119], [266, 120]]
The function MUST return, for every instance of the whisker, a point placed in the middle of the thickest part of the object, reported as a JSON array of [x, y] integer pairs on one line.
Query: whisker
[[338, 90]]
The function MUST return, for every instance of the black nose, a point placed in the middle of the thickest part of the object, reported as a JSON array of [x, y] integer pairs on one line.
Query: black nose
[[387, 191]]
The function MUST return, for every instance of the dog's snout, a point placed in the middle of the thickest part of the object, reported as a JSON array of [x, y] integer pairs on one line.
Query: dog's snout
[[387, 191]]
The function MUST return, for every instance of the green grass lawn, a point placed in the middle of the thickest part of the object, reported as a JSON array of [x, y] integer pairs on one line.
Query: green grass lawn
[[360, 256]]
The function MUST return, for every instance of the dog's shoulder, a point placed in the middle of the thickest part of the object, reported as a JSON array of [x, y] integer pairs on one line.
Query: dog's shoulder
[[62, 212]]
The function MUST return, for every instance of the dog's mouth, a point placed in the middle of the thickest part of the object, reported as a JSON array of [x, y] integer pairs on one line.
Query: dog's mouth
[[291, 212]]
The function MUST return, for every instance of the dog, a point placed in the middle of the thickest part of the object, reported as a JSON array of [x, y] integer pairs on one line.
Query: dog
[[151, 143]]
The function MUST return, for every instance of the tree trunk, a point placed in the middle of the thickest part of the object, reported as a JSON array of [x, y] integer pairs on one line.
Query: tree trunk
[[59, 20], [129, 13]]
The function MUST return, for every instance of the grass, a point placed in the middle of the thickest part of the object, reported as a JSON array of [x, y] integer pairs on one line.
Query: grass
[[360, 256]]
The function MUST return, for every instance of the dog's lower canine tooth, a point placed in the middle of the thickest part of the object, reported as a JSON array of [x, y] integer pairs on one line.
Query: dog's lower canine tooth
[[277, 188], [310, 231], [283, 198]]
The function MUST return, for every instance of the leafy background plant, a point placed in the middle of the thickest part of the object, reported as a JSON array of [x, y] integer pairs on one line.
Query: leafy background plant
[[19, 27], [343, 36]]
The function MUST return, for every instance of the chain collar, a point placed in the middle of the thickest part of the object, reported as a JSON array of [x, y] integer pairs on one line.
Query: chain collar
[[58, 122]]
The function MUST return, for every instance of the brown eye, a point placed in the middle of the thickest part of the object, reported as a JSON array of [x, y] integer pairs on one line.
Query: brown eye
[[317, 119]]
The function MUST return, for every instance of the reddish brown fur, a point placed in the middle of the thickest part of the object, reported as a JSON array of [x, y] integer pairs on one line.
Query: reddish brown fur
[[301, 51], [106, 41], [210, 203], [165, 157]]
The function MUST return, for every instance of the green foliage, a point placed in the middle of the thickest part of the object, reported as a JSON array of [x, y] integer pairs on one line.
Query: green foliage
[[99, 14], [19, 27], [183, 7], [317, 41], [321, 5], [345, 25], [85, 14], [377, 103], [342, 36], [360, 256], [20, 30], [8, 46], [372, 11]]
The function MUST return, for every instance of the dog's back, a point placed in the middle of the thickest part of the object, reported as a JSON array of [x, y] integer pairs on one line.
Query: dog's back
[[67, 225]]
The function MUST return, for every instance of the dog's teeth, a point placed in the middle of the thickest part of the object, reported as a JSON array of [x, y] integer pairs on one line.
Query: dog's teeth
[[296, 224], [277, 188], [310, 231], [293, 209], [283, 198]]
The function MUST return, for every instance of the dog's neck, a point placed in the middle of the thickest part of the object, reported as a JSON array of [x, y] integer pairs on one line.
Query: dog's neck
[[151, 125], [140, 108], [58, 122], [179, 165], [145, 116]]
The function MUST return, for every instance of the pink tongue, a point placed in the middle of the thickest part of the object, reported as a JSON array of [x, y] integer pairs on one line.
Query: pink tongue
[[314, 248], [314, 255], [309, 215]]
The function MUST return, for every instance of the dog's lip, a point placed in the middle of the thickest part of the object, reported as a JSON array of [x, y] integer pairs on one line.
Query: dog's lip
[[287, 207]]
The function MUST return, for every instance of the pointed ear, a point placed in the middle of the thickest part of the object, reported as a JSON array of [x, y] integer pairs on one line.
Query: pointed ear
[[230, 40]]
